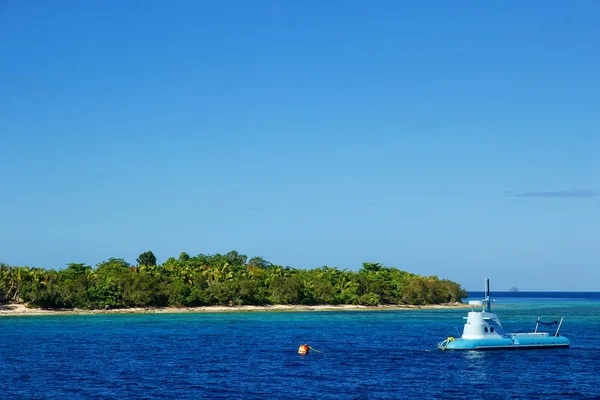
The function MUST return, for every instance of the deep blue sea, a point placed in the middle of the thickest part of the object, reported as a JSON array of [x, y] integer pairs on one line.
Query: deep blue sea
[[364, 355]]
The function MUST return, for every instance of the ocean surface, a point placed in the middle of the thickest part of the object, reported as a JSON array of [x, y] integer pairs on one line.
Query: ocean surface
[[363, 354]]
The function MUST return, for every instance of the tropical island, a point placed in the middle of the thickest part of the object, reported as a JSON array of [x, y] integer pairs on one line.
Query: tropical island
[[220, 280]]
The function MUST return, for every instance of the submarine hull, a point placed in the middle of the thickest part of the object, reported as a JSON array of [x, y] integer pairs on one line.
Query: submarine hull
[[510, 343]]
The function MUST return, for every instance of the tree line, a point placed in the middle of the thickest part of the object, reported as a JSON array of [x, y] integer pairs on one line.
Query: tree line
[[221, 279]]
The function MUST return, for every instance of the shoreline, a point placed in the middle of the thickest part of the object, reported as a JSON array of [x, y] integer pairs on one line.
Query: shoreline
[[19, 309]]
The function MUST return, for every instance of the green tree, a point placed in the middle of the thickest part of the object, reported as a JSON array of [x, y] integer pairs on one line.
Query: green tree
[[235, 258], [259, 262], [108, 290], [147, 258], [73, 284], [143, 289], [13, 280]]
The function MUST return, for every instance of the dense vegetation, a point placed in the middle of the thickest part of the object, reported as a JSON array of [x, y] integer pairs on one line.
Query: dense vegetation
[[229, 279]]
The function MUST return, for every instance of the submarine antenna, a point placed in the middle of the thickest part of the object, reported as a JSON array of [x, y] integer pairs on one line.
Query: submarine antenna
[[487, 296]]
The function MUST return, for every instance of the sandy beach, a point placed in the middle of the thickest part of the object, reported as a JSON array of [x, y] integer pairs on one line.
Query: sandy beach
[[19, 309]]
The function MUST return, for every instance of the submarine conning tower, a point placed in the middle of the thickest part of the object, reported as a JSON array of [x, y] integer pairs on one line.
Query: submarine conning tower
[[482, 324]]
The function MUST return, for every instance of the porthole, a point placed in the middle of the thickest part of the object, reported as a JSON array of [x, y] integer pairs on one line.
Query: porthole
[[485, 329], [491, 329]]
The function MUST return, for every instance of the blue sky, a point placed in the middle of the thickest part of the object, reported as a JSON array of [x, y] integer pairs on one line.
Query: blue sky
[[451, 139]]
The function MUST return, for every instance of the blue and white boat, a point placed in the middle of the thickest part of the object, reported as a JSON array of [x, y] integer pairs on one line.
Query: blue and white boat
[[483, 331]]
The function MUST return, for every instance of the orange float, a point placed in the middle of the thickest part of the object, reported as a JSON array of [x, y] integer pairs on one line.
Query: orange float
[[303, 349]]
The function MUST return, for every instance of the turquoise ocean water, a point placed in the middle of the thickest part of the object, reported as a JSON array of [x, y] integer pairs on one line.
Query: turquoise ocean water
[[364, 355]]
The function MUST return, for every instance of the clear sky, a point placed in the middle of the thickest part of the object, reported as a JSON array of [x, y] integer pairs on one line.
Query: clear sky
[[457, 139]]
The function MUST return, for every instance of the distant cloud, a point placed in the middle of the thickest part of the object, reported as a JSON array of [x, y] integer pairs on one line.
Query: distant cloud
[[557, 194]]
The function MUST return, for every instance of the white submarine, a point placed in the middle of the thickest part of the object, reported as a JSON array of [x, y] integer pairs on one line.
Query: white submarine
[[483, 331]]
